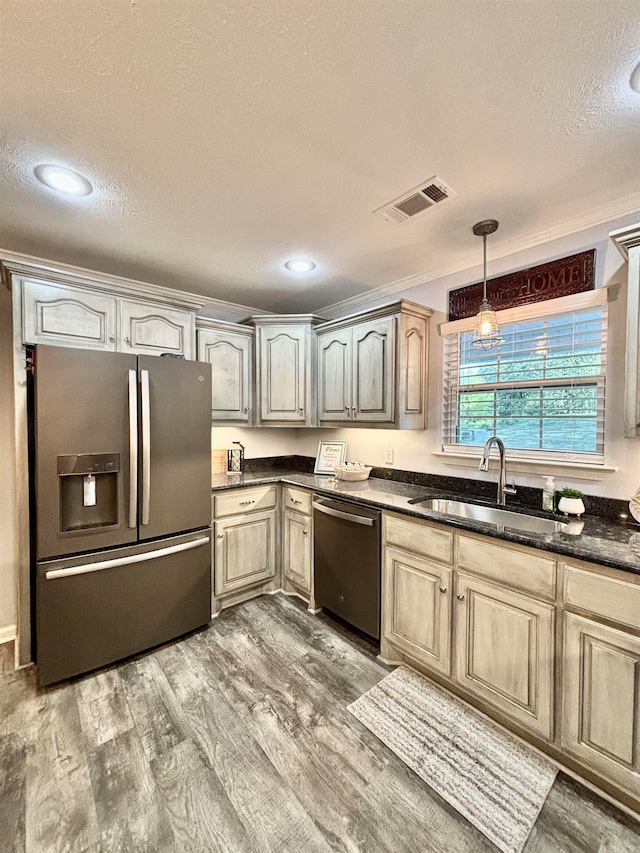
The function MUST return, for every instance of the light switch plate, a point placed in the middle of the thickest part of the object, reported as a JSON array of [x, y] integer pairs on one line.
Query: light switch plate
[[388, 456]]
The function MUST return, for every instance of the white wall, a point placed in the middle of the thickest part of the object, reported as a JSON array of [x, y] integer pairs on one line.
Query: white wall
[[413, 449], [257, 442], [7, 468]]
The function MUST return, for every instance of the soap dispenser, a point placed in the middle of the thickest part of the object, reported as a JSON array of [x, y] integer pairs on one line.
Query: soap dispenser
[[549, 494]]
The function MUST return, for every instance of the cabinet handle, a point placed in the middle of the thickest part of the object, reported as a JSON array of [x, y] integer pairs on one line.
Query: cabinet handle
[[220, 535], [246, 410], [460, 597], [246, 503], [443, 589], [353, 411], [112, 338], [304, 532], [294, 501], [127, 341], [301, 410]]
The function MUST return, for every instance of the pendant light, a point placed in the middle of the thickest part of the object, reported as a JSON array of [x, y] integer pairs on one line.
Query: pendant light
[[485, 332]]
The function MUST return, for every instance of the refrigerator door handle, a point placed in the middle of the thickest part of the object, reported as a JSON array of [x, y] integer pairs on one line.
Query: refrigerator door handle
[[85, 568], [133, 448], [146, 446]]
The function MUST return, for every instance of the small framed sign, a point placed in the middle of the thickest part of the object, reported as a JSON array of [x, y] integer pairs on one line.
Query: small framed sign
[[330, 454]]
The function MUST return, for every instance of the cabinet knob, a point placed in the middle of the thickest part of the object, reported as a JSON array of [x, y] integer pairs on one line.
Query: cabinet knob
[[301, 410], [112, 338], [246, 410], [304, 532], [460, 597], [353, 411], [127, 340], [443, 589]]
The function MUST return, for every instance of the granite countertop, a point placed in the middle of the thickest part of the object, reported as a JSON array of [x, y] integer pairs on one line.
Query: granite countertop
[[602, 541]]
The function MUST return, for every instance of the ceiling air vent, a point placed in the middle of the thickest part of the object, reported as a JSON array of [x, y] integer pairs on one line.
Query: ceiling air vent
[[416, 201]]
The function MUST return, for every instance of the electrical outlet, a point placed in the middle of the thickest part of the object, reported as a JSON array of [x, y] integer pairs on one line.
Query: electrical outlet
[[388, 456]]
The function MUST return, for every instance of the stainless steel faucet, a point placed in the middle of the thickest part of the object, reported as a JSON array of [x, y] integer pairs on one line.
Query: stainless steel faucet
[[503, 489]]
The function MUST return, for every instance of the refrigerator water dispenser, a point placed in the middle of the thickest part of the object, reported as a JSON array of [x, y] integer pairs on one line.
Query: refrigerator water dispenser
[[88, 490]]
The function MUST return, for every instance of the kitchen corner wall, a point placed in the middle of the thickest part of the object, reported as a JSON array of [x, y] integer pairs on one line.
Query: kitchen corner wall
[[7, 472], [412, 449]]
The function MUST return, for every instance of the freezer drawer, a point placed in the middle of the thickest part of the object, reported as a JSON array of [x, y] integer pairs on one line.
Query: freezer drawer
[[100, 607]]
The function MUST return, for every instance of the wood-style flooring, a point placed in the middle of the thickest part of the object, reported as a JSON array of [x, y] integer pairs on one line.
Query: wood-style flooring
[[237, 738]]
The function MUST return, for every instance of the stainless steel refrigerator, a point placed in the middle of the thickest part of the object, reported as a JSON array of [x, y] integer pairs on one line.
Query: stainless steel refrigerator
[[122, 505]]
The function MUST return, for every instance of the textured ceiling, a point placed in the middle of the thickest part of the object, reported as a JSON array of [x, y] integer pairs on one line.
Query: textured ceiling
[[225, 137]]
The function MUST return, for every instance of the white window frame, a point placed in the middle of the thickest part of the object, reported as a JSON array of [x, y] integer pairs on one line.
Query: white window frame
[[536, 311]]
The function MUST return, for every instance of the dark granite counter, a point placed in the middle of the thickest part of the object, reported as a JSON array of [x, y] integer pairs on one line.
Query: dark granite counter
[[602, 540]]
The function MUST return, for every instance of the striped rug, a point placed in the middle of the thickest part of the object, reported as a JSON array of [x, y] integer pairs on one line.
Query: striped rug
[[485, 773]]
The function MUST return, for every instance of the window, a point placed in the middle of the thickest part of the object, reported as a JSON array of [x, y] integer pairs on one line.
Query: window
[[541, 389]]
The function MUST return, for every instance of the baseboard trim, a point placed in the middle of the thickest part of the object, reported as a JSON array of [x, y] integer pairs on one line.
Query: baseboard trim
[[7, 634]]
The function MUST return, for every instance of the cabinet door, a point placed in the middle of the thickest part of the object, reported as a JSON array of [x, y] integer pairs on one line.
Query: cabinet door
[[283, 374], [154, 329], [601, 700], [334, 375], [505, 651], [373, 371], [245, 551], [67, 316], [230, 358], [416, 608], [297, 544]]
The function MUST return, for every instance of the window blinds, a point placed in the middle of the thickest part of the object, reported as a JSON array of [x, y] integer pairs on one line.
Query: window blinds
[[541, 389]]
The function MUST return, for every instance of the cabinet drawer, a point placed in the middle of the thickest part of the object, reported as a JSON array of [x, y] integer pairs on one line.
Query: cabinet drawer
[[612, 598], [298, 500], [419, 538], [244, 500], [510, 566]]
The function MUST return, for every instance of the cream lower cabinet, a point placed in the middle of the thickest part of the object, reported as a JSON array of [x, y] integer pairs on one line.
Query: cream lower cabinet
[[505, 651], [297, 538], [244, 550], [601, 707], [297, 545], [417, 615]]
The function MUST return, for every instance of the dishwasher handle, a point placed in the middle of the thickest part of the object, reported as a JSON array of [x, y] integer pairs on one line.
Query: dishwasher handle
[[347, 516]]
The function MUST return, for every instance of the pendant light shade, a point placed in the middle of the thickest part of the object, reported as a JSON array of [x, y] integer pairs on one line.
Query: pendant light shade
[[485, 331]]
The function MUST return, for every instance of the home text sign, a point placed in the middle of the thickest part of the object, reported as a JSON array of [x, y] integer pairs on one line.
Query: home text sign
[[536, 284]]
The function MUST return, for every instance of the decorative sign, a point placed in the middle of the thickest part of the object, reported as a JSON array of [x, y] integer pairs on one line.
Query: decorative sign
[[536, 284], [330, 454]]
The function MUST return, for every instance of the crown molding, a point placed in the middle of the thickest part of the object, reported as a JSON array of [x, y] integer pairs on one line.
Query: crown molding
[[590, 219]]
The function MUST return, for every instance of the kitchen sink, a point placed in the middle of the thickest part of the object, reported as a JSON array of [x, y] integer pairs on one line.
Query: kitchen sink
[[491, 515]]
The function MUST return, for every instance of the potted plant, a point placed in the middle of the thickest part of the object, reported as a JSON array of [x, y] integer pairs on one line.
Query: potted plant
[[571, 502]]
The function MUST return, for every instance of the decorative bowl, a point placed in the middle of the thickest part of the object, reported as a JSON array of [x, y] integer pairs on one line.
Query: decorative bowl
[[345, 473]]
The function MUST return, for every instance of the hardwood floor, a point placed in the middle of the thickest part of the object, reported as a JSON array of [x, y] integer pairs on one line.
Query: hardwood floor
[[237, 738]]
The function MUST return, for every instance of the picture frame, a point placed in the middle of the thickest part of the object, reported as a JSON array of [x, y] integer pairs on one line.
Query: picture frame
[[330, 454]]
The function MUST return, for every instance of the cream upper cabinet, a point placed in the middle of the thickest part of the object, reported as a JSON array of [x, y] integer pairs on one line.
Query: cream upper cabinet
[[601, 700], [335, 357], [505, 651], [154, 329], [416, 610], [67, 316], [285, 370], [628, 242], [228, 348], [372, 369]]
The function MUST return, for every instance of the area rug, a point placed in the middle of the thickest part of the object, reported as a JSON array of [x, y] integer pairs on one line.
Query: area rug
[[485, 773]]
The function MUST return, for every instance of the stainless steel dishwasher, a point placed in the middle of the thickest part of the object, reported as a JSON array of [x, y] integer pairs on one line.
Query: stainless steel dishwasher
[[346, 555]]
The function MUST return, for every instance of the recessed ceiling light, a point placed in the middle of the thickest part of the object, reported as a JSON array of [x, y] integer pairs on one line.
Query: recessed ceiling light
[[300, 265], [63, 180], [634, 80]]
